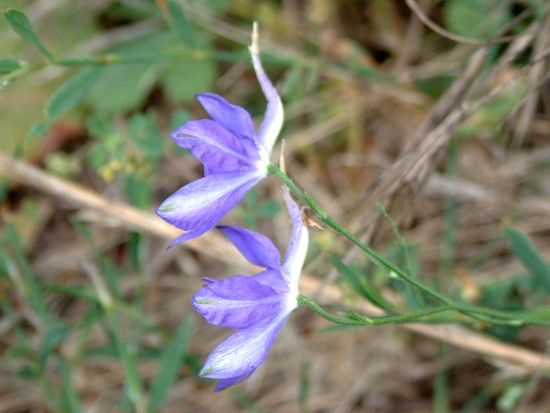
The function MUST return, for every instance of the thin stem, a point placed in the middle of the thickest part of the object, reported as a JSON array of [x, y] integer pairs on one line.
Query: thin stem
[[356, 319], [330, 222], [302, 299], [472, 311]]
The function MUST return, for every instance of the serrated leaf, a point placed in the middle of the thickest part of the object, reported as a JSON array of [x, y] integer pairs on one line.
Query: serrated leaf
[[54, 335], [21, 25], [367, 292], [526, 252], [170, 362], [72, 92], [8, 66], [179, 23]]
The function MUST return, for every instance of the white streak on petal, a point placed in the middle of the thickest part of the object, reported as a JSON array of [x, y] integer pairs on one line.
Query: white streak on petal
[[297, 248]]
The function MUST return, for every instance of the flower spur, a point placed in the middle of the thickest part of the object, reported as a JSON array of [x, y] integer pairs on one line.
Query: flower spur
[[257, 306], [235, 158]]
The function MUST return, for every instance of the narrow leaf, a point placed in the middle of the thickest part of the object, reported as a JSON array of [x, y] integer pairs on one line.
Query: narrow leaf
[[180, 24], [69, 394], [367, 292], [54, 335], [72, 92], [525, 251], [170, 362], [38, 129], [8, 66], [21, 25]]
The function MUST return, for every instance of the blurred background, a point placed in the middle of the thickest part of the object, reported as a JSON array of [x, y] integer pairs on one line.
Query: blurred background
[[439, 110]]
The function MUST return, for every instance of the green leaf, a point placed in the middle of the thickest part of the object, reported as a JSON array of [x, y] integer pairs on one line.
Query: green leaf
[[476, 18], [8, 66], [357, 283], [66, 97], [179, 23], [177, 79], [170, 362], [54, 335], [21, 25], [38, 129], [70, 398], [525, 251], [72, 92]]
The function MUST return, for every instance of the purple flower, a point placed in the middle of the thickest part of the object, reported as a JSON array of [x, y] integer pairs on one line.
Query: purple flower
[[257, 306], [235, 158]]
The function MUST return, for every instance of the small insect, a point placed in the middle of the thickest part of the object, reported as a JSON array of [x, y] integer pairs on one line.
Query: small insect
[[308, 219]]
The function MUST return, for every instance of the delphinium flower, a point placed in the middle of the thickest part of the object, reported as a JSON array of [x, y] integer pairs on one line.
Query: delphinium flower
[[234, 156], [257, 306]]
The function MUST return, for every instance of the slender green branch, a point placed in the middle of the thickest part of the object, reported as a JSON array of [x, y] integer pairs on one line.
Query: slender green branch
[[302, 299], [356, 319], [405, 318], [330, 222], [472, 311]]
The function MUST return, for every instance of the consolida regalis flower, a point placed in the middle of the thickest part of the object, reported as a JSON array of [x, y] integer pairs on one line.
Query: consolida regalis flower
[[257, 306], [235, 158]]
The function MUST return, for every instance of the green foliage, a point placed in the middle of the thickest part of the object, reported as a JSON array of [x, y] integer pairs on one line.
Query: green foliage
[[169, 364], [21, 25], [8, 66], [68, 96], [476, 18], [525, 251], [359, 282], [180, 24]]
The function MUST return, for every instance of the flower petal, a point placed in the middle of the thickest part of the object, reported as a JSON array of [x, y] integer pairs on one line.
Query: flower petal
[[237, 357], [218, 149], [273, 278], [200, 204], [273, 119], [237, 302], [297, 247], [197, 232], [225, 383], [256, 248], [233, 118]]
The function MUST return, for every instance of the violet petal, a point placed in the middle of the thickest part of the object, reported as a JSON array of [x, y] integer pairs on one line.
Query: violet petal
[[274, 279], [256, 248], [233, 118], [237, 302], [239, 355], [218, 149], [200, 204]]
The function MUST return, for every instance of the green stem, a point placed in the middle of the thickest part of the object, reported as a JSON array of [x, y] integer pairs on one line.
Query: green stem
[[302, 299], [330, 222], [357, 319], [472, 311]]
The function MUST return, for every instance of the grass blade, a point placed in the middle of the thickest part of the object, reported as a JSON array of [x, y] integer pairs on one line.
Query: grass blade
[[170, 362], [526, 252]]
